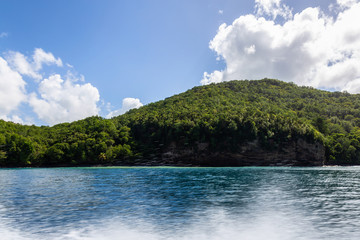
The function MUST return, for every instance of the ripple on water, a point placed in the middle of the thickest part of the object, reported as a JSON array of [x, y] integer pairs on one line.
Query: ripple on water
[[180, 203]]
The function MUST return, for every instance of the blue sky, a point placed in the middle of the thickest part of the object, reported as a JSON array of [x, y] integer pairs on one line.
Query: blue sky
[[66, 60]]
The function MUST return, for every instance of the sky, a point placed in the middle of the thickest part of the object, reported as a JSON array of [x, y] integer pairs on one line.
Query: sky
[[66, 60]]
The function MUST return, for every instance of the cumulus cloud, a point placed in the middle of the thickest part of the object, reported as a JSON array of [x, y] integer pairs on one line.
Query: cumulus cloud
[[64, 101], [341, 5], [309, 49], [127, 104], [31, 67], [41, 57], [250, 50], [21, 64], [54, 99], [12, 89], [346, 3], [272, 8]]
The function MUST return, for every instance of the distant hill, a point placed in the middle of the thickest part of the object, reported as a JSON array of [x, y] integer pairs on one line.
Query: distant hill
[[237, 123]]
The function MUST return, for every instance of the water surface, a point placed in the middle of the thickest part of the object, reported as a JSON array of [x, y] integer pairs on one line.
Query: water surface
[[180, 203]]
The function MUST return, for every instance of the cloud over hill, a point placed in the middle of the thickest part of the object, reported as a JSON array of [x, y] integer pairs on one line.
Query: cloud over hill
[[308, 47]]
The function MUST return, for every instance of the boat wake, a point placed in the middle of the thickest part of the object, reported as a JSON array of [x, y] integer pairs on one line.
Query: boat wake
[[214, 226]]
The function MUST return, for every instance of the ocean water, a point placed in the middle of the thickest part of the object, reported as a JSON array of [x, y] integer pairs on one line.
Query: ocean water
[[180, 203]]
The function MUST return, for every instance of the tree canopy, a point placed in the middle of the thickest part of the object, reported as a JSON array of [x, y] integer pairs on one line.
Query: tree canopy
[[224, 115]]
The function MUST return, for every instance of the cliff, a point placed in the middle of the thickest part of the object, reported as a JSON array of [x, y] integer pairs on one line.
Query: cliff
[[295, 153]]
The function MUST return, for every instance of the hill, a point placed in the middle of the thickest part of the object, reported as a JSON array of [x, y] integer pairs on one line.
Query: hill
[[237, 123]]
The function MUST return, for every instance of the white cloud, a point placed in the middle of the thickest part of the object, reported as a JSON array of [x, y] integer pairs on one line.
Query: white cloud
[[31, 67], [12, 89], [250, 50], [41, 57], [272, 8], [346, 3], [16, 119], [309, 49], [221, 12], [127, 104], [214, 77], [22, 65], [53, 100], [341, 5], [64, 101], [69, 65]]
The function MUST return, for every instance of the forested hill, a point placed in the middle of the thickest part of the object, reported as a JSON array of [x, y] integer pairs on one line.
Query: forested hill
[[260, 122]]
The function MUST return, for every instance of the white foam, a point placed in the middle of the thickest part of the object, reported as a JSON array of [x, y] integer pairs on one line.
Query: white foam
[[214, 226]]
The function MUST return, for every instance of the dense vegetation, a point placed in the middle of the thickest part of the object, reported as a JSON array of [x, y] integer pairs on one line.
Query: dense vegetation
[[223, 115], [90, 141]]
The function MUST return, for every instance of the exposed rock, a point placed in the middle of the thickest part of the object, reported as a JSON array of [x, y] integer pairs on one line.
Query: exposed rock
[[294, 153]]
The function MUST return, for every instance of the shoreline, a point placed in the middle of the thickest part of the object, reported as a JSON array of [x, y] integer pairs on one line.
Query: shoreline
[[173, 166]]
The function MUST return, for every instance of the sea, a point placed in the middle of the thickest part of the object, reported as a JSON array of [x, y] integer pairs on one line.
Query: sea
[[158, 203]]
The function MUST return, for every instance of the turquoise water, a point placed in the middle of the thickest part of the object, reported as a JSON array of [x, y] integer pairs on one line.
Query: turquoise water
[[180, 203]]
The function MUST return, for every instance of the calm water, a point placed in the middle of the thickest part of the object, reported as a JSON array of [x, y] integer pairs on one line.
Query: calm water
[[180, 203]]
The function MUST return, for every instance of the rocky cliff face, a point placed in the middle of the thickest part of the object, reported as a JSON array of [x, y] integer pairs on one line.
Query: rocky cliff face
[[295, 153]]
